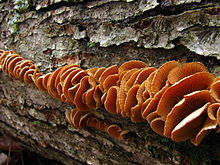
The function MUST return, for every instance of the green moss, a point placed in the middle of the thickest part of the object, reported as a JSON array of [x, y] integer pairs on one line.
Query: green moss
[[72, 43], [72, 151], [37, 122], [91, 44], [13, 24], [21, 5], [15, 28], [69, 126]]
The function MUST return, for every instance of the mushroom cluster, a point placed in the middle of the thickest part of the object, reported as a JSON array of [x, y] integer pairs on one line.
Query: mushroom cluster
[[179, 101], [18, 67], [82, 119]]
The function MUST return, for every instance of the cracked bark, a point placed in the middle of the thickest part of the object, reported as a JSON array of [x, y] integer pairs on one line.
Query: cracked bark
[[96, 34]]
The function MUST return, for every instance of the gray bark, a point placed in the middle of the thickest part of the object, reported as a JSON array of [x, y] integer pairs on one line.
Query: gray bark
[[95, 34]]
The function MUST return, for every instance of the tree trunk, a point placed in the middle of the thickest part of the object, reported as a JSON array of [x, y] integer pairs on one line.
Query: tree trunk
[[100, 33]]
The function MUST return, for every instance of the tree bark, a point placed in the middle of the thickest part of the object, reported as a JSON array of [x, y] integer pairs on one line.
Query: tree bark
[[100, 33]]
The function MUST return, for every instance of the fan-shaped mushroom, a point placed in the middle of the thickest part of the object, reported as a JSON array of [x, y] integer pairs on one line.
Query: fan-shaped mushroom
[[185, 86], [185, 70], [215, 90], [160, 77], [173, 99], [183, 108]]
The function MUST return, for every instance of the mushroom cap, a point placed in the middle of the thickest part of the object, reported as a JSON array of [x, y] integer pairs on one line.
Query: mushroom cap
[[176, 92], [97, 96], [136, 114], [3, 57], [114, 131], [144, 105], [183, 108], [122, 94], [141, 94], [109, 71], [92, 122], [28, 75], [98, 73], [111, 99], [144, 74], [92, 81], [78, 76], [91, 71], [152, 116], [190, 125], [78, 119], [130, 100], [22, 71], [83, 87], [110, 81], [51, 84], [185, 70], [101, 125], [66, 82], [213, 111], [207, 127], [39, 83], [88, 98], [151, 107], [130, 82], [157, 125], [131, 65], [215, 90], [8, 59], [66, 70], [71, 93], [12, 65], [160, 77], [218, 117], [149, 82]]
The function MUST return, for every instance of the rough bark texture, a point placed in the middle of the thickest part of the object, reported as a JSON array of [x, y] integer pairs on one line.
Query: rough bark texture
[[95, 33]]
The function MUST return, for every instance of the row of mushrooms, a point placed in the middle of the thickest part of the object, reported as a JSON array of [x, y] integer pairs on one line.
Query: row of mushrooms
[[179, 101]]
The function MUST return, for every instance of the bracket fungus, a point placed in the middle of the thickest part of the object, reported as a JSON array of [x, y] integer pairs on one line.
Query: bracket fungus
[[172, 99], [81, 119]]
